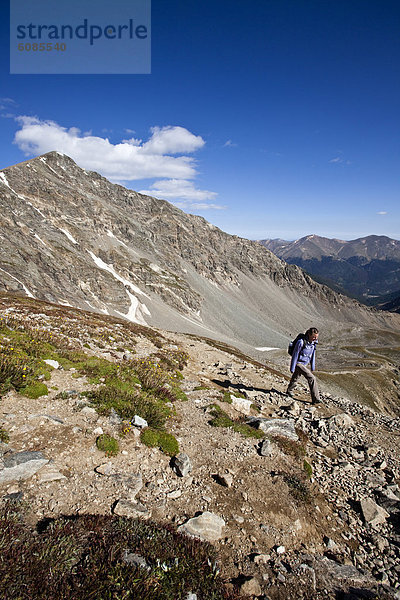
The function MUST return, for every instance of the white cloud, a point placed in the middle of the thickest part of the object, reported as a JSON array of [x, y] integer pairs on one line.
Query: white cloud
[[337, 159], [199, 206], [191, 197], [172, 140], [129, 160], [178, 188], [382, 212]]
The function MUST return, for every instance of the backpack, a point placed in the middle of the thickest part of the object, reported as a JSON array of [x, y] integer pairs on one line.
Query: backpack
[[292, 344]]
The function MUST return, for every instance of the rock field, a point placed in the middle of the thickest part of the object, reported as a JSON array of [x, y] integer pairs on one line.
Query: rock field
[[311, 510]]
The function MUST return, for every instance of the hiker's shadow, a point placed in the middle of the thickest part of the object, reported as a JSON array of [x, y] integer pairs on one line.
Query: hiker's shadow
[[226, 383]]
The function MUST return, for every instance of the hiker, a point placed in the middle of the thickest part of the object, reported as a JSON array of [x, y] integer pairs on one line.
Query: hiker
[[304, 354]]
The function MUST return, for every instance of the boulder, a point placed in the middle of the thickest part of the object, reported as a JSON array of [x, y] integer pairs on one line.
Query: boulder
[[206, 526], [241, 405], [282, 427], [21, 465], [373, 513]]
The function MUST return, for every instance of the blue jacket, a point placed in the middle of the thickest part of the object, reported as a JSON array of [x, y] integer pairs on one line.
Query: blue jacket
[[304, 353]]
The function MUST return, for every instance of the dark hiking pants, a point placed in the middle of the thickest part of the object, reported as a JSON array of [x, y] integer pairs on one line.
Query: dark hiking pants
[[312, 382]]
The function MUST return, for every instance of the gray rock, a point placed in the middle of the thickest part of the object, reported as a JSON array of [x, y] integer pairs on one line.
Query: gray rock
[[241, 405], [104, 469], [283, 427], [373, 513], [181, 464], [343, 421], [266, 448], [50, 473], [21, 465], [135, 483], [206, 526], [139, 422], [126, 508]]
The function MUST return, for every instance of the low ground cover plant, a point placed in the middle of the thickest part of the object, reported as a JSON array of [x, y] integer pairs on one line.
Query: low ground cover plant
[[221, 419], [107, 444], [95, 557]]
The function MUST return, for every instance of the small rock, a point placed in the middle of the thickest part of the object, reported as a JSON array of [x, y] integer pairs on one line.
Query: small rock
[[280, 550], [98, 431], [342, 420], [181, 464], [104, 469], [241, 405], [53, 363], [52, 505], [114, 417], [174, 494], [50, 473], [139, 422], [250, 587], [330, 544], [266, 448], [135, 483], [125, 508], [261, 559], [224, 479]]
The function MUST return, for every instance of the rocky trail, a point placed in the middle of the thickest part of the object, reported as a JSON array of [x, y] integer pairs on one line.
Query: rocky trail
[[309, 510]]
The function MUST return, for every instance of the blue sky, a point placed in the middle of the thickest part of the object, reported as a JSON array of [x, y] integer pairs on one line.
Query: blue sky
[[271, 118]]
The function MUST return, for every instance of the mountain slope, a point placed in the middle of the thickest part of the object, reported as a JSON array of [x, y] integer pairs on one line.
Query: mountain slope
[[364, 267], [70, 236]]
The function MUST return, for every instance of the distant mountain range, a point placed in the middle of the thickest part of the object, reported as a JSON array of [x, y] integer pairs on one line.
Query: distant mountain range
[[367, 268], [71, 237]]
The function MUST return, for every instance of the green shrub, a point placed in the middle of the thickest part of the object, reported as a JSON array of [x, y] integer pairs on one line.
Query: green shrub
[[226, 397], [307, 468], [166, 442], [149, 437], [4, 437], [35, 390], [128, 404], [106, 443]]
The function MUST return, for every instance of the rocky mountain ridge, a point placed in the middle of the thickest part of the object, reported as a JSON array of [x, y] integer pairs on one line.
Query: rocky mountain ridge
[[309, 511], [364, 267], [70, 236]]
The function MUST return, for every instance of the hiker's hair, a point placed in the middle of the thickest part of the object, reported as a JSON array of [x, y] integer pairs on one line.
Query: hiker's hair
[[311, 331]]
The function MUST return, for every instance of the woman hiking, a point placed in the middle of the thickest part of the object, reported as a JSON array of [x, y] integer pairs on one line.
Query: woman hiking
[[304, 355]]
